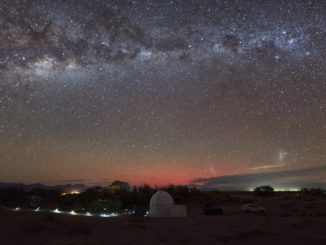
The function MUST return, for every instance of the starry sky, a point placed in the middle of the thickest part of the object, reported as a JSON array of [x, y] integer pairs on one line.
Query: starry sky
[[197, 92]]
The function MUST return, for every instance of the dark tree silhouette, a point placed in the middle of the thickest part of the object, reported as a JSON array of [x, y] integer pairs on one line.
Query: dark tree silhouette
[[264, 190]]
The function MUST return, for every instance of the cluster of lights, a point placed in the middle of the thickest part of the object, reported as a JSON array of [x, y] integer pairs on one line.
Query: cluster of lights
[[74, 213], [74, 192], [287, 189], [88, 214], [128, 212], [109, 215]]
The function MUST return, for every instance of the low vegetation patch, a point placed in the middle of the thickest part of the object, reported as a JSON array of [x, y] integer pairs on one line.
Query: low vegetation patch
[[81, 229]]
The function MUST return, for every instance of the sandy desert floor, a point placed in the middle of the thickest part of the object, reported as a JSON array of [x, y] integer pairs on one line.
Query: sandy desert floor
[[289, 221]]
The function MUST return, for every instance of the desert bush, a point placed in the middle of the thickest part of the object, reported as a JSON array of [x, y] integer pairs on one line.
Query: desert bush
[[138, 225], [35, 228], [285, 205], [49, 218], [315, 192], [71, 242], [318, 213], [81, 229], [294, 210], [309, 206]]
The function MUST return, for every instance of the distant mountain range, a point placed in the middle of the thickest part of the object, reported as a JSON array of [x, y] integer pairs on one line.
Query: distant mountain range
[[26, 187]]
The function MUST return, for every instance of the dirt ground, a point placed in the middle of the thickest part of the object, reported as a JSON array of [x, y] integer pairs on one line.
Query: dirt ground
[[288, 220]]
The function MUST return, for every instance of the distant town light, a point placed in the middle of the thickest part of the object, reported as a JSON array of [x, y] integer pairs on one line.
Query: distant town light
[[37, 209], [74, 192], [73, 212], [57, 211], [17, 209], [287, 189], [105, 215], [88, 214], [109, 215]]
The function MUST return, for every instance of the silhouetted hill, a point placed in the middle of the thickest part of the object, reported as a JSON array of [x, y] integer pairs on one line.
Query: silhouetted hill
[[68, 187]]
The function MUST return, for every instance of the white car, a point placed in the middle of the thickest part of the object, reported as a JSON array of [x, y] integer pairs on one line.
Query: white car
[[252, 208]]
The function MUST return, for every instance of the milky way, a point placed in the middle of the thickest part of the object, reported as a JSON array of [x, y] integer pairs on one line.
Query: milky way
[[162, 91]]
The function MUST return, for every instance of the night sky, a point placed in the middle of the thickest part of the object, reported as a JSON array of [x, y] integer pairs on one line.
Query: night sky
[[226, 94]]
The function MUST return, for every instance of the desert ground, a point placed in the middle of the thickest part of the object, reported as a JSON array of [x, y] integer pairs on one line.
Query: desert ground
[[288, 220]]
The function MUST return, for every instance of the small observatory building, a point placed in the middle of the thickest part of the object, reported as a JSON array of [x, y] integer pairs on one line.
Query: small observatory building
[[162, 205]]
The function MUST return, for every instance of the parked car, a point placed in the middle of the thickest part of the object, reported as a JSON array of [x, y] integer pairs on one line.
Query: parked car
[[212, 209], [252, 208]]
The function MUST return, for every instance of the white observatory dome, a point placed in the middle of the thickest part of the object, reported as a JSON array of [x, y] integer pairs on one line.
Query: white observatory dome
[[162, 205], [161, 198]]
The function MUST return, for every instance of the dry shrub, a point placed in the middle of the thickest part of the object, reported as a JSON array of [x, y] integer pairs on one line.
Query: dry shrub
[[141, 226], [294, 210], [284, 215], [37, 227], [162, 239], [309, 206], [81, 229], [33, 228], [268, 218], [319, 213], [71, 242], [285, 205], [248, 234], [184, 240], [302, 224], [221, 238], [49, 218]]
